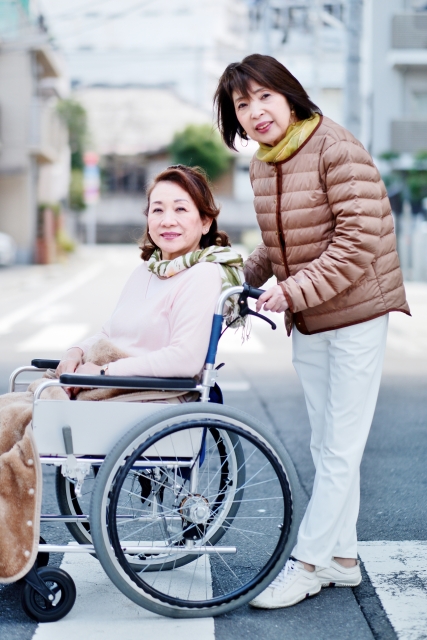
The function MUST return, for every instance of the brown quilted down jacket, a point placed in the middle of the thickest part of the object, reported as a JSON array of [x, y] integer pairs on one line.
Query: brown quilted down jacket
[[327, 233]]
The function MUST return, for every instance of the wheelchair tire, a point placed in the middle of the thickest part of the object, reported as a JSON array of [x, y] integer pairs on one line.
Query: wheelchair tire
[[212, 584], [41, 610]]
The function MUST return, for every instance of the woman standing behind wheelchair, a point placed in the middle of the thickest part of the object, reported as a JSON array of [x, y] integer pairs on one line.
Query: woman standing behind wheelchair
[[163, 319], [328, 238]]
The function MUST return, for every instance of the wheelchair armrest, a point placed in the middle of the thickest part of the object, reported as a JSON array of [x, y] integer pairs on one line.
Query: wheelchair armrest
[[128, 382], [39, 363]]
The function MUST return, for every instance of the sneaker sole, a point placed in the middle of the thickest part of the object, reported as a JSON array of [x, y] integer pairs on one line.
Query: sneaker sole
[[342, 584], [255, 605]]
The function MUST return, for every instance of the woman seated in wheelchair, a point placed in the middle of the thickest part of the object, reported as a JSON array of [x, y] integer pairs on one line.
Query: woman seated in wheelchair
[[161, 324]]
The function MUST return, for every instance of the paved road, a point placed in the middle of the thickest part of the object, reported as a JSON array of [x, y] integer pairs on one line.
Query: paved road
[[41, 305]]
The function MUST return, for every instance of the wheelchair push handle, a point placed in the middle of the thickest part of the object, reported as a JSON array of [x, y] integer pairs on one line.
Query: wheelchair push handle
[[251, 292]]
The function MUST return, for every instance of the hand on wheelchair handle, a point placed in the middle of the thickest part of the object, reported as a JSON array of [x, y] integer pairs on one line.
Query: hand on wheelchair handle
[[273, 299]]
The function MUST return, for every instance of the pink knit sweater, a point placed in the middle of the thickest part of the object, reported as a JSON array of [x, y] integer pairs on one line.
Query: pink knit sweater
[[163, 324]]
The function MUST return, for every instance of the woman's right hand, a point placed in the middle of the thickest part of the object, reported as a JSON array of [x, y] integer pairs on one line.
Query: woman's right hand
[[73, 359]]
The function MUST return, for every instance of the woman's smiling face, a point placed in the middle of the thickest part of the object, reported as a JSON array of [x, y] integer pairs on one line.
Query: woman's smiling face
[[264, 114], [174, 221]]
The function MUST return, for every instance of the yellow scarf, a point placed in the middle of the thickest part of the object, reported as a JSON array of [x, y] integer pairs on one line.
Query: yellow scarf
[[296, 135]]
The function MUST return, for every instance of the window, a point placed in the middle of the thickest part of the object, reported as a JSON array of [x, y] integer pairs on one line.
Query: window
[[419, 103]]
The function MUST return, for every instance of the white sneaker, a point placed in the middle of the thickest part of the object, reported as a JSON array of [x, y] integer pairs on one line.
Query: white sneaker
[[338, 576], [293, 584]]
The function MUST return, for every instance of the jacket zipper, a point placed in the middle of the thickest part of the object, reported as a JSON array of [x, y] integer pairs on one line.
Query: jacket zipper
[[281, 234], [298, 317]]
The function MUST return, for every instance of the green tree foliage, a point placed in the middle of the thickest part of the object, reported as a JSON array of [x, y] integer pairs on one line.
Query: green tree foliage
[[411, 182], [75, 195], [74, 116], [199, 145]]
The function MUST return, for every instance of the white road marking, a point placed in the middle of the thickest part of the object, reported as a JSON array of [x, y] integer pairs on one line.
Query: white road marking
[[231, 342], [238, 385], [408, 335], [55, 337], [398, 571], [53, 313], [101, 611], [8, 321]]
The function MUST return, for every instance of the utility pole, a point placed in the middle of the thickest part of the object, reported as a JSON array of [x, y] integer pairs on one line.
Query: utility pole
[[352, 99], [266, 27], [316, 7]]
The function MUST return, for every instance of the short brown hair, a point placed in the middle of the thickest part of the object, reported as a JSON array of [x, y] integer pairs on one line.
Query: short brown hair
[[267, 72], [194, 181]]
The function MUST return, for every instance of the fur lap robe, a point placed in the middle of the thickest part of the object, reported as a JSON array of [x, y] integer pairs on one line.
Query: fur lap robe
[[20, 468]]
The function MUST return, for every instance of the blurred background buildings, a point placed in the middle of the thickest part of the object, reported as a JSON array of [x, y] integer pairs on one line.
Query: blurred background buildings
[[122, 78]]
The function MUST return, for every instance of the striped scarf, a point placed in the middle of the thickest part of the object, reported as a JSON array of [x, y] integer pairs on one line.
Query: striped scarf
[[296, 135], [231, 264]]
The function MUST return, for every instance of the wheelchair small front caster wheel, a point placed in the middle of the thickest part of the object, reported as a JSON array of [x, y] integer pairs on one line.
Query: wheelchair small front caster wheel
[[51, 606], [42, 556]]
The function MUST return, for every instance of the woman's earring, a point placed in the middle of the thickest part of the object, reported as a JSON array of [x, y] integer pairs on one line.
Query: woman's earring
[[244, 137]]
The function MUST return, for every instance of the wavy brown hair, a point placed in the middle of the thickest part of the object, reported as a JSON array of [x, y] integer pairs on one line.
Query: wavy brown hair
[[267, 72], [194, 181]]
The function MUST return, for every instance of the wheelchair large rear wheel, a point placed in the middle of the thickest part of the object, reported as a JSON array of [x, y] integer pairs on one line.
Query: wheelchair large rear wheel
[[226, 570], [144, 489]]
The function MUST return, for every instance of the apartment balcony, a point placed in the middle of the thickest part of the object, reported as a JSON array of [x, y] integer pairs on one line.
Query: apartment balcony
[[408, 41], [409, 135], [47, 132], [409, 31]]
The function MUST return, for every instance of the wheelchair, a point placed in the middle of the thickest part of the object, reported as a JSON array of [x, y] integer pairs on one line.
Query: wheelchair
[[191, 509]]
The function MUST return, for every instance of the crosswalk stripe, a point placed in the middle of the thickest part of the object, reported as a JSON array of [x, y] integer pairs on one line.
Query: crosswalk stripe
[[8, 321], [231, 342], [57, 337], [398, 572], [101, 611]]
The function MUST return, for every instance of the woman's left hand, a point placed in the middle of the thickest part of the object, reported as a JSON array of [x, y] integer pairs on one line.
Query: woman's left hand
[[89, 369], [272, 300]]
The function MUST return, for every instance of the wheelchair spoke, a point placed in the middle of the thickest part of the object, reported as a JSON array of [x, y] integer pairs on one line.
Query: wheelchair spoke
[[153, 507]]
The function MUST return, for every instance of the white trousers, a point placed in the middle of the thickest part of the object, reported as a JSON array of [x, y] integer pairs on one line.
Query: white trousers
[[340, 372]]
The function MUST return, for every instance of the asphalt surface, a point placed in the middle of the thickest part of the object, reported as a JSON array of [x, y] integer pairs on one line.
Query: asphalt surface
[[393, 476]]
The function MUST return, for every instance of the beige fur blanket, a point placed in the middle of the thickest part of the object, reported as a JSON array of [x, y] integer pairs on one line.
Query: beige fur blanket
[[20, 469]]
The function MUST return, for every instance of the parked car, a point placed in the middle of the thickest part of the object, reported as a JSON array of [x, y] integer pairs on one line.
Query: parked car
[[7, 250]]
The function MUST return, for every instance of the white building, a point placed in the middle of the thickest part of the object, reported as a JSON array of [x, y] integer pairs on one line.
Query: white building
[[34, 153], [308, 37], [182, 44], [395, 76]]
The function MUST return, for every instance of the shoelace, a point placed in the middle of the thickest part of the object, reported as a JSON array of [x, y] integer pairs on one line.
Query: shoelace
[[285, 575]]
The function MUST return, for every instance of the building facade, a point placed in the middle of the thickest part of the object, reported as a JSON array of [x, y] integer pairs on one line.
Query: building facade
[[394, 86], [34, 154], [182, 45], [308, 37]]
